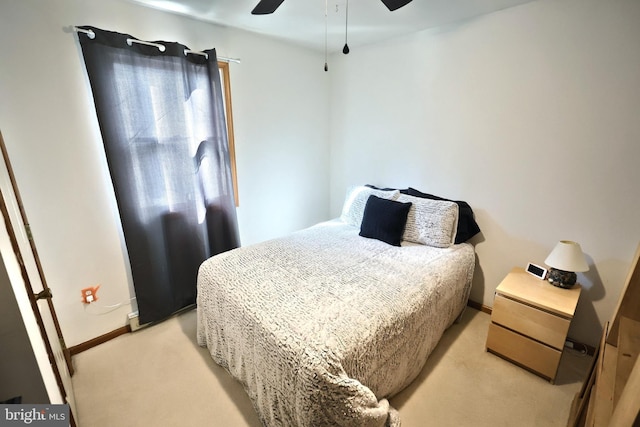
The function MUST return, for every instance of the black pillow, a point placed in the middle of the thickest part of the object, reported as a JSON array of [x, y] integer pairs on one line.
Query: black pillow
[[467, 225], [384, 219]]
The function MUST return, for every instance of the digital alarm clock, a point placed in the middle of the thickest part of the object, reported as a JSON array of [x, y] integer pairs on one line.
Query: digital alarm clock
[[536, 270]]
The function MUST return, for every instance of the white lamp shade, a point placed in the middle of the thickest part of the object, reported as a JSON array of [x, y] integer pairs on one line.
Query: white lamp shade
[[567, 256]]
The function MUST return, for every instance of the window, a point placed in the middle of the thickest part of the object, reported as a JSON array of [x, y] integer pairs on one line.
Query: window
[[165, 131]]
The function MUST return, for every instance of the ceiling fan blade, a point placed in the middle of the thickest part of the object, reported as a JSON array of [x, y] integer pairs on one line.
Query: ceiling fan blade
[[395, 4], [266, 7]]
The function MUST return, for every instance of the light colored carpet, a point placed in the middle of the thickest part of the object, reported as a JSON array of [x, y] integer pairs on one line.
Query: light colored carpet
[[159, 376]]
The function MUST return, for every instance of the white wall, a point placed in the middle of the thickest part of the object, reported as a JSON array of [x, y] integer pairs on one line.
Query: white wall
[[540, 98], [530, 114], [280, 102]]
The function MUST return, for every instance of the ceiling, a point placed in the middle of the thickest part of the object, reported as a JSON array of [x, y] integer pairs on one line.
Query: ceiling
[[303, 21]]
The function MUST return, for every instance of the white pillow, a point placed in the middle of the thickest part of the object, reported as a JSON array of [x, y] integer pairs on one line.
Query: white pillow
[[356, 199], [430, 222]]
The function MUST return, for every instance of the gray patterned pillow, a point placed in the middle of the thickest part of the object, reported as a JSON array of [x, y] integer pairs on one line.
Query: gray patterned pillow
[[430, 222], [356, 200]]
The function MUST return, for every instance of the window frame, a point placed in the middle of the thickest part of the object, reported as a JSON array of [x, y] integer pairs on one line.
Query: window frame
[[223, 68]]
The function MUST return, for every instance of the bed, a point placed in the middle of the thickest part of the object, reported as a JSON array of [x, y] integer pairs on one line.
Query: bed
[[323, 326]]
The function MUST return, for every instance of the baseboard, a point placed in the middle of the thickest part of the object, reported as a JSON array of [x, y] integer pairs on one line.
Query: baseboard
[[98, 340], [478, 306], [120, 331], [76, 349], [577, 345]]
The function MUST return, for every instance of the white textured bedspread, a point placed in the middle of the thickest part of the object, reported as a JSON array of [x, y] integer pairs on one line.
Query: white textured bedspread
[[323, 325]]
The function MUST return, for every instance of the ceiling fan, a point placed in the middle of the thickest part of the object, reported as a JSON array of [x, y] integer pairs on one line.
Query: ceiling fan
[[266, 7]]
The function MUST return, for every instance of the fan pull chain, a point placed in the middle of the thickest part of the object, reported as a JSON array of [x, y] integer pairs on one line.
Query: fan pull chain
[[326, 8], [345, 49]]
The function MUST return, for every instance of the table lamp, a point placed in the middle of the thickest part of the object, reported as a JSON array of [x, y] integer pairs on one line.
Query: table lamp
[[565, 259]]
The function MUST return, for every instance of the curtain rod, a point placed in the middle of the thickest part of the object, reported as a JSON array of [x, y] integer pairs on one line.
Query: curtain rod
[[160, 47]]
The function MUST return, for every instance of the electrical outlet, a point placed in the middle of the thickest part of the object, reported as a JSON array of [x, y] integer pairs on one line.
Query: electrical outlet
[[89, 295]]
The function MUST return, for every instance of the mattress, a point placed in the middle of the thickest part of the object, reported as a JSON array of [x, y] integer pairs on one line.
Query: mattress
[[323, 326]]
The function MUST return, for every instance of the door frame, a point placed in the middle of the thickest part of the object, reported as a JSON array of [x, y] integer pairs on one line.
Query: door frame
[[20, 256]]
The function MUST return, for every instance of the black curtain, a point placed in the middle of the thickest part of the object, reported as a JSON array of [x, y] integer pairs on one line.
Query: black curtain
[[162, 122]]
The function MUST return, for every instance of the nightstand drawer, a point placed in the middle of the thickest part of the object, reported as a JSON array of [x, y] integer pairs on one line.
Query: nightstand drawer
[[524, 351], [537, 324]]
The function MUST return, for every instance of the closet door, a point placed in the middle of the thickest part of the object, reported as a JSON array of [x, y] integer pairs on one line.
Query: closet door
[[32, 293]]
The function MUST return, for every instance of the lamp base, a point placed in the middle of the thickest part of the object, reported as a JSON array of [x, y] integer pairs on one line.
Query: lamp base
[[561, 278]]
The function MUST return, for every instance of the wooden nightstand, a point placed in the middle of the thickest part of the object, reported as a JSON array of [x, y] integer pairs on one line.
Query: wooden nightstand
[[530, 320]]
